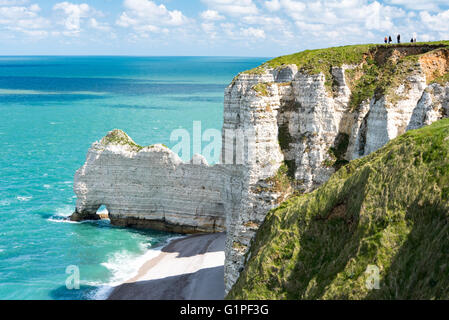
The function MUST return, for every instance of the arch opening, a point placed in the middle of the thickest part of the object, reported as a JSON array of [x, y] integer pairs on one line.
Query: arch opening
[[103, 212]]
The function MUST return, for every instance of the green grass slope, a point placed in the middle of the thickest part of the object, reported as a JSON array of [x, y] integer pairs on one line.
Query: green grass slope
[[321, 60], [389, 209]]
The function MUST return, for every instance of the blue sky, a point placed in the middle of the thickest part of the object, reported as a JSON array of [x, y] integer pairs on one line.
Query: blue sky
[[210, 27]]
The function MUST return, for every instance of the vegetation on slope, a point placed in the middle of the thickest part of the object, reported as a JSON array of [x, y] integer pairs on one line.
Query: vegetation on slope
[[384, 71], [389, 209], [338, 152], [262, 89], [444, 79]]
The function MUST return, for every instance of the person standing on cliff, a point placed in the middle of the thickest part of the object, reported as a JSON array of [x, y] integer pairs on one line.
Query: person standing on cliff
[[390, 40], [399, 38], [386, 39]]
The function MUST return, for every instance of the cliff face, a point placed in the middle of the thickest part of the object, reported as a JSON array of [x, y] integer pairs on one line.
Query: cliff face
[[313, 128], [311, 113]]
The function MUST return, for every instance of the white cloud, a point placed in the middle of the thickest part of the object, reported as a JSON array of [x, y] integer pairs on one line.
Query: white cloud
[[94, 24], [233, 7], [209, 29], [227, 29], [76, 17], [437, 22], [23, 19], [72, 15], [252, 33], [211, 15], [429, 5], [294, 8], [267, 21], [145, 16], [273, 5], [13, 2], [346, 19], [276, 25]]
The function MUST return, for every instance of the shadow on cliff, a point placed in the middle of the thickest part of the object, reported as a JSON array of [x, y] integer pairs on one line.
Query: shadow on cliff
[[205, 284], [330, 240], [419, 270], [214, 242], [419, 263]]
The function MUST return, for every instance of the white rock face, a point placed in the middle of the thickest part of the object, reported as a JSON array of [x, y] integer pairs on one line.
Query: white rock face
[[296, 121], [433, 105], [393, 116], [150, 188]]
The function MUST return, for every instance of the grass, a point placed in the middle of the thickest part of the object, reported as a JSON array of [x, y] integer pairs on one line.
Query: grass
[[284, 137], [281, 180], [119, 137], [338, 152], [389, 209], [262, 89], [320, 60], [379, 80], [442, 80]]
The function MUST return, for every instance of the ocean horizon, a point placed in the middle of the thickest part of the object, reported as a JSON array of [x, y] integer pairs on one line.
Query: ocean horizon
[[53, 108]]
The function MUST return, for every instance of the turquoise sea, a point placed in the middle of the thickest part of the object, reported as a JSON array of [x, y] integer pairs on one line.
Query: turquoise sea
[[51, 110]]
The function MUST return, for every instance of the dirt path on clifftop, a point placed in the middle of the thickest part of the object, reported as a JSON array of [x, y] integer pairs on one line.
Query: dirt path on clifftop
[[191, 268]]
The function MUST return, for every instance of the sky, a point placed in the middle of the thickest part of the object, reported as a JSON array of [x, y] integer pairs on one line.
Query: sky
[[258, 28]]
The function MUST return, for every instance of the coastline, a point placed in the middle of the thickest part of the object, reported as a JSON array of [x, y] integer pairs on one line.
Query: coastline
[[187, 268]]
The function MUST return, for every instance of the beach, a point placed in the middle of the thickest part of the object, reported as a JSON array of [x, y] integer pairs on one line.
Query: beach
[[191, 268]]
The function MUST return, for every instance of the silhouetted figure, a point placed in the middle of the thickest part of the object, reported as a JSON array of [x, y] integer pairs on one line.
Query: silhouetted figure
[[399, 38], [390, 40], [411, 40], [386, 40]]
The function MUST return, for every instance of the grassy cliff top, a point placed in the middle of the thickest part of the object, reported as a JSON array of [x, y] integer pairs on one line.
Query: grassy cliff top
[[377, 70], [316, 61], [119, 137], [389, 209], [320, 60]]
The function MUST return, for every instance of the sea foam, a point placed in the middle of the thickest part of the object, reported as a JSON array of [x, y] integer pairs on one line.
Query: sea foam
[[63, 213], [24, 198], [125, 265]]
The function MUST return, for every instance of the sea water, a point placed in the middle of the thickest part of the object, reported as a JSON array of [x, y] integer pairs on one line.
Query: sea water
[[51, 110]]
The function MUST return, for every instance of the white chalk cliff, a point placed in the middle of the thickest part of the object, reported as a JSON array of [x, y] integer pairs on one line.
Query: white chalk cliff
[[149, 187], [301, 125]]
